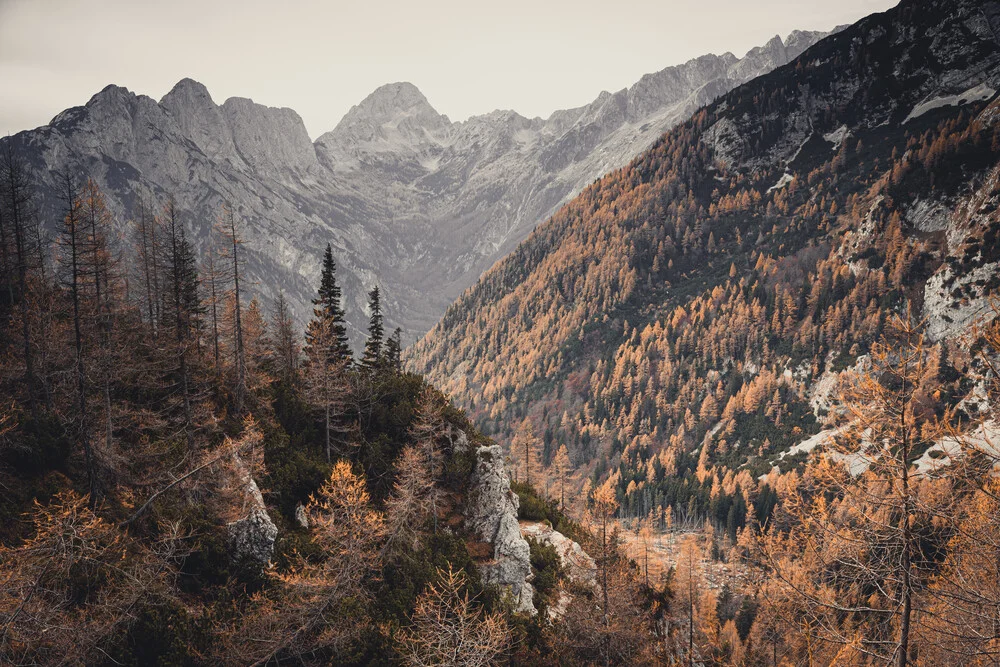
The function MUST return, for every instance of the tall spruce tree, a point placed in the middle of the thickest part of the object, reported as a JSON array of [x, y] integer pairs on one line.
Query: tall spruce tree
[[394, 351], [72, 249], [16, 197], [328, 308], [327, 353], [374, 357]]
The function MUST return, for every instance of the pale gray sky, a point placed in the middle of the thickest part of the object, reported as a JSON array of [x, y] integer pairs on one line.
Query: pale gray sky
[[321, 57]]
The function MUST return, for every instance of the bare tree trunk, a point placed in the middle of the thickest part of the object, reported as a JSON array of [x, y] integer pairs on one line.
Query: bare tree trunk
[[241, 371], [17, 193], [109, 430], [906, 592], [646, 547], [147, 253], [213, 279], [101, 269], [5, 268], [329, 458], [157, 294], [690, 608], [72, 224], [527, 463], [181, 334], [604, 565]]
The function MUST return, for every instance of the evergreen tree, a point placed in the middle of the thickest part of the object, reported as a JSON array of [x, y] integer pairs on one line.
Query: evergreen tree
[[286, 347], [181, 282], [72, 252], [562, 467], [20, 247], [394, 351], [190, 286], [328, 307], [327, 353], [374, 357]]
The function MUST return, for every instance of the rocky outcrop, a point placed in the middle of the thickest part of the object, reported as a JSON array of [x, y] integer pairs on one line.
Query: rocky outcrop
[[251, 539], [301, 518], [576, 563], [491, 514]]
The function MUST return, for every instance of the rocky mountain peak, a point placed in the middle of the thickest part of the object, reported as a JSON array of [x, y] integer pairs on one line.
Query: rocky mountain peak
[[391, 101], [673, 84], [110, 93], [116, 101], [199, 118], [800, 40], [187, 93], [268, 138], [393, 116]]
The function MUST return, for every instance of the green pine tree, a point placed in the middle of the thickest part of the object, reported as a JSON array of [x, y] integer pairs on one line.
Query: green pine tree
[[328, 309], [394, 351], [374, 357], [190, 283]]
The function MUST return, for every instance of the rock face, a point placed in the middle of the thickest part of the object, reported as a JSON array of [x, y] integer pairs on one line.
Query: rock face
[[579, 567], [577, 563], [492, 515], [251, 539], [407, 197]]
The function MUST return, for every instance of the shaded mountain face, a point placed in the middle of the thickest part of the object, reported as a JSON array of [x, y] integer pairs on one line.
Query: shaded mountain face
[[698, 304], [407, 198]]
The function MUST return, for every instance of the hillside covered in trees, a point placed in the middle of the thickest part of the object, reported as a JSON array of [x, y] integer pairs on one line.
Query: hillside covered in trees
[[693, 310], [186, 479], [771, 332]]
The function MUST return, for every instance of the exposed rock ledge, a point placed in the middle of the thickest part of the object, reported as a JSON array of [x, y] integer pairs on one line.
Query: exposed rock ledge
[[576, 563], [491, 514]]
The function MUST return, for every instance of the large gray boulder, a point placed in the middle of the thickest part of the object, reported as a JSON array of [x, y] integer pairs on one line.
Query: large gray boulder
[[251, 539]]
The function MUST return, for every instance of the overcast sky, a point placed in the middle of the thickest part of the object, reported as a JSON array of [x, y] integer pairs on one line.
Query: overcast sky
[[320, 57]]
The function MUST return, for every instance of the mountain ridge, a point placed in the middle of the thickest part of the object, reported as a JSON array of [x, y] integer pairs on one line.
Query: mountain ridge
[[401, 192]]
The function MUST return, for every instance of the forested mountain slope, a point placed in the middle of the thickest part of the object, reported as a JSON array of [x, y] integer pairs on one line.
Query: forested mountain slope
[[176, 490], [409, 198], [715, 285]]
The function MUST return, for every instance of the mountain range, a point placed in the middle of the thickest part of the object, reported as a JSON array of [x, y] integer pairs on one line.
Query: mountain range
[[408, 198]]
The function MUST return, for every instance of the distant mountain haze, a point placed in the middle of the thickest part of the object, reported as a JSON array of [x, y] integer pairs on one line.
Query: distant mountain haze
[[408, 198]]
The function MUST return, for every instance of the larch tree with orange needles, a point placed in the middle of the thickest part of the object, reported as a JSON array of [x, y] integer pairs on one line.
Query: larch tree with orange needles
[[855, 559], [320, 604]]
